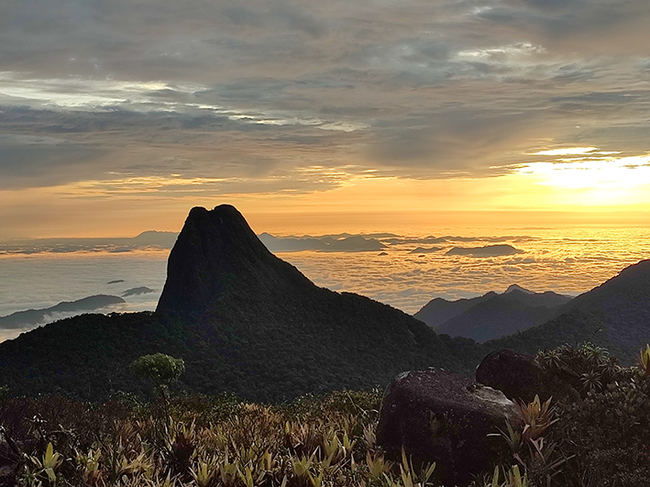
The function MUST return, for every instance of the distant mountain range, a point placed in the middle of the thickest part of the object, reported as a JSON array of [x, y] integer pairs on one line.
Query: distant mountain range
[[248, 322], [351, 243], [30, 317], [492, 315], [343, 242], [145, 240]]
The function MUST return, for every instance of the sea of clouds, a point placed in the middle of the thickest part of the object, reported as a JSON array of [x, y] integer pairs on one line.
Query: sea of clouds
[[403, 271]]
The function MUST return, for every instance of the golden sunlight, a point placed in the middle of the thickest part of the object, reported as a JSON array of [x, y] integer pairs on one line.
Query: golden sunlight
[[599, 180]]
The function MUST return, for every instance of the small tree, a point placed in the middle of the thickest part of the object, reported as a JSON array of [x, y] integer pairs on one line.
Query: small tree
[[160, 369]]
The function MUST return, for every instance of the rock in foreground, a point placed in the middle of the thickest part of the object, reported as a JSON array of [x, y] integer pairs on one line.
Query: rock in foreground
[[520, 378], [444, 417]]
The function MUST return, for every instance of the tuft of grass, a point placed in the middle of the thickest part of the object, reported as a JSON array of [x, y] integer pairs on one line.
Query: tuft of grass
[[644, 361]]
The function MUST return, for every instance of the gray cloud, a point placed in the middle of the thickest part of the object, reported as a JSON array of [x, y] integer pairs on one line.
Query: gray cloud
[[296, 96]]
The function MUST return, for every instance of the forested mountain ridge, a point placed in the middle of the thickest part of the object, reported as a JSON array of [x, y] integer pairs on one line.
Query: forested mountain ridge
[[439, 310], [492, 315], [244, 321], [614, 315]]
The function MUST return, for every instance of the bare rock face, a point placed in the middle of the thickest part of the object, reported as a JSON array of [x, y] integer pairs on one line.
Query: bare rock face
[[444, 417], [520, 378], [217, 256]]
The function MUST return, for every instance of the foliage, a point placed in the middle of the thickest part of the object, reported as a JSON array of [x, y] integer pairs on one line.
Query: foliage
[[537, 417], [45, 467], [606, 433], [511, 478], [533, 451], [644, 360], [330, 442], [599, 439], [300, 351], [161, 369]]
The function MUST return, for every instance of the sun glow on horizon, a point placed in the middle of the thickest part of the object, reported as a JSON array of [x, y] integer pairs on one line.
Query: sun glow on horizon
[[563, 185], [595, 180]]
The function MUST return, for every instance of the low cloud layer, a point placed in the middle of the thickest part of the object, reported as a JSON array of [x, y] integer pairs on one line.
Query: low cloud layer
[[566, 261], [342, 242]]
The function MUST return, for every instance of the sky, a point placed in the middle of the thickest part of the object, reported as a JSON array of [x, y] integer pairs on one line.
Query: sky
[[118, 116]]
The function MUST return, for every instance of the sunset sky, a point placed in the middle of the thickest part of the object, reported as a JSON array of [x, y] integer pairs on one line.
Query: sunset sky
[[118, 116]]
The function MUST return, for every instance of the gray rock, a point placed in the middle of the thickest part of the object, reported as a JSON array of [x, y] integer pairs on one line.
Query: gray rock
[[444, 417], [520, 378]]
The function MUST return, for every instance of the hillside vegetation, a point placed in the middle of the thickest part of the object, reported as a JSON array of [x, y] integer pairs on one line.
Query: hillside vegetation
[[599, 439]]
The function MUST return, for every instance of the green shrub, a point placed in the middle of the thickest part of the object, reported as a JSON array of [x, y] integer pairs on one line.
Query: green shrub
[[607, 432]]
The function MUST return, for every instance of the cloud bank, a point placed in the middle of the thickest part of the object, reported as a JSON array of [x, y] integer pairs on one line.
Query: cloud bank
[[194, 98]]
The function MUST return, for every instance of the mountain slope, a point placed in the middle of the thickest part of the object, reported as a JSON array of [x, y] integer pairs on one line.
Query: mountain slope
[[30, 317], [622, 304], [614, 315], [243, 320], [504, 314], [439, 310], [246, 304], [491, 315]]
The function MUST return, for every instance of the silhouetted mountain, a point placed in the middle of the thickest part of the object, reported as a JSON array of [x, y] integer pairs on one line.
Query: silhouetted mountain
[[243, 320], [21, 319], [622, 304], [504, 314], [492, 315], [439, 310], [615, 315], [517, 287], [485, 251]]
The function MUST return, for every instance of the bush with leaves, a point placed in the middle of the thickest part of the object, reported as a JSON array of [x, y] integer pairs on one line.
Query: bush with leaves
[[607, 432], [159, 369]]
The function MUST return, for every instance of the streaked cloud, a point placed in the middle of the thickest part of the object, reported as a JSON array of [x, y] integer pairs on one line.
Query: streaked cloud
[[283, 97], [566, 151]]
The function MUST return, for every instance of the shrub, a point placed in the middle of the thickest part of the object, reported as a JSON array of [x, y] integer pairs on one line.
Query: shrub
[[607, 432]]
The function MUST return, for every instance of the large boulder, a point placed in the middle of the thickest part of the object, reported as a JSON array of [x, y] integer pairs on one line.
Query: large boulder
[[444, 417], [520, 378], [515, 374]]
